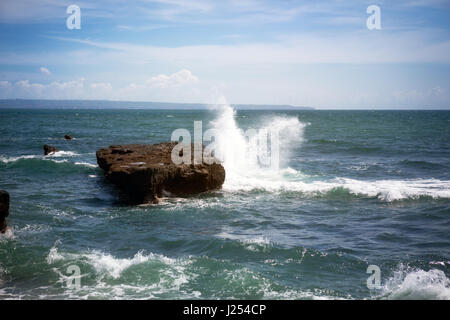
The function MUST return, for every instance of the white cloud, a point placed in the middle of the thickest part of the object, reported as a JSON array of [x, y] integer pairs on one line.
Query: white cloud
[[101, 86], [349, 48], [177, 87], [31, 90], [181, 86], [44, 70], [179, 78]]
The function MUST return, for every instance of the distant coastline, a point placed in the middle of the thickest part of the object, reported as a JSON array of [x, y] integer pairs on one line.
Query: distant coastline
[[107, 104]]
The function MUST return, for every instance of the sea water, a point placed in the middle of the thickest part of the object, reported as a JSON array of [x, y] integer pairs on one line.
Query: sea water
[[354, 189]]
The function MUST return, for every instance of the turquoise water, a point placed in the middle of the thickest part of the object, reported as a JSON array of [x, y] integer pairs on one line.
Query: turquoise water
[[355, 188]]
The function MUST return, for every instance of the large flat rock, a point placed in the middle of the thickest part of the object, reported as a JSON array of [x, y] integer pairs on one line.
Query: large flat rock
[[146, 172]]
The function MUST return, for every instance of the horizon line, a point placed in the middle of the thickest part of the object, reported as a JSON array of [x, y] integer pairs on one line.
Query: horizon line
[[203, 104]]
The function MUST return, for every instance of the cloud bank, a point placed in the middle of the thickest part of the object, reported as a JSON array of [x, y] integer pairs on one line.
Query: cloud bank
[[179, 86]]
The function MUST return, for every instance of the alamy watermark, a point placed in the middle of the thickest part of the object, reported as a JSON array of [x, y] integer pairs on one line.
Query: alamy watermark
[[73, 281], [374, 280], [260, 147], [374, 20], [74, 20]]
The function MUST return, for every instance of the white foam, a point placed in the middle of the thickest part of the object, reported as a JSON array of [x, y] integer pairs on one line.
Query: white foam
[[62, 154], [391, 190], [171, 274], [57, 161], [251, 243], [14, 159], [417, 284], [8, 235], [31, 228], [86, 164], [58, 154], [105, 263], [385, 190], [53, 254]]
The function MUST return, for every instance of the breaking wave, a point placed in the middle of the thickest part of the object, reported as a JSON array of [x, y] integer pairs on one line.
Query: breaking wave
[[384, 190], [50, 157], [417, 284], [62, 159], [105, 276], [146, 276], [243, 173]]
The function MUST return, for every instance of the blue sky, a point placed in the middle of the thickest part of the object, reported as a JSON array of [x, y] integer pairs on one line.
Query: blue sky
[[311, 53]]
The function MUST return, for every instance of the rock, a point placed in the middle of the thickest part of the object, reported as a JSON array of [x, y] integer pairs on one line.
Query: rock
[[49, 149], [68, 137], [146, 172], [4, 210]]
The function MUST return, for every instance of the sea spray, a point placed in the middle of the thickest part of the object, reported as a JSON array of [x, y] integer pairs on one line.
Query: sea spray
[[408, 283], [256, 154], [244, 171]]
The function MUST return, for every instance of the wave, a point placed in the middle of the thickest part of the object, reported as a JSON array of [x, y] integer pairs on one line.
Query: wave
[[7, 160], [58, 154], [86, 164], [243, 173], [111, 266], [105, 264], [255, 243], [250, 152], [422, 164], [417, 284], [141, 276], [61, 161], [385, 190], [149, 275]]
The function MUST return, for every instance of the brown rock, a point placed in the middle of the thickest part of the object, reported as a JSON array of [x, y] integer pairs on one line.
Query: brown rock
[[68, 137], [146, 172], [4, 210], [49, 149]]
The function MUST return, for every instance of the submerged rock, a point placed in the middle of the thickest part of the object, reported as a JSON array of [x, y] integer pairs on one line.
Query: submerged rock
[[4, 210], [68, 137], [49, 149], [146, 172]]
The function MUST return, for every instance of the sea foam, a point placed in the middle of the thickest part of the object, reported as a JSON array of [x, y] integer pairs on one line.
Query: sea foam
[[417, 284], [58, 154]]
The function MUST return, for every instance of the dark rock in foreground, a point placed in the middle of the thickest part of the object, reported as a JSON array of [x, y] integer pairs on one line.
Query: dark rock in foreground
[[4, 210], [146, 172], [49, 149]]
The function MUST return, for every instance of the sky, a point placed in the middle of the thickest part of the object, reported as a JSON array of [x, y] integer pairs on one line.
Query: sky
[[319, 54]]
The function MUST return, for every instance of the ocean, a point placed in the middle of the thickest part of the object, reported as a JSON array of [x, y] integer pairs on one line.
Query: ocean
[[355, 191]]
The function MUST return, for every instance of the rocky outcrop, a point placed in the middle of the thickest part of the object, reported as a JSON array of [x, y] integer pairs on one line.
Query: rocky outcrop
[[146, 172], [4, 209], [49, 149], [68, 137]]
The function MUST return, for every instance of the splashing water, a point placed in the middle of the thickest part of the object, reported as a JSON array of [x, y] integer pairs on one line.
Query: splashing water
[[256, 153], [241, 154]]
